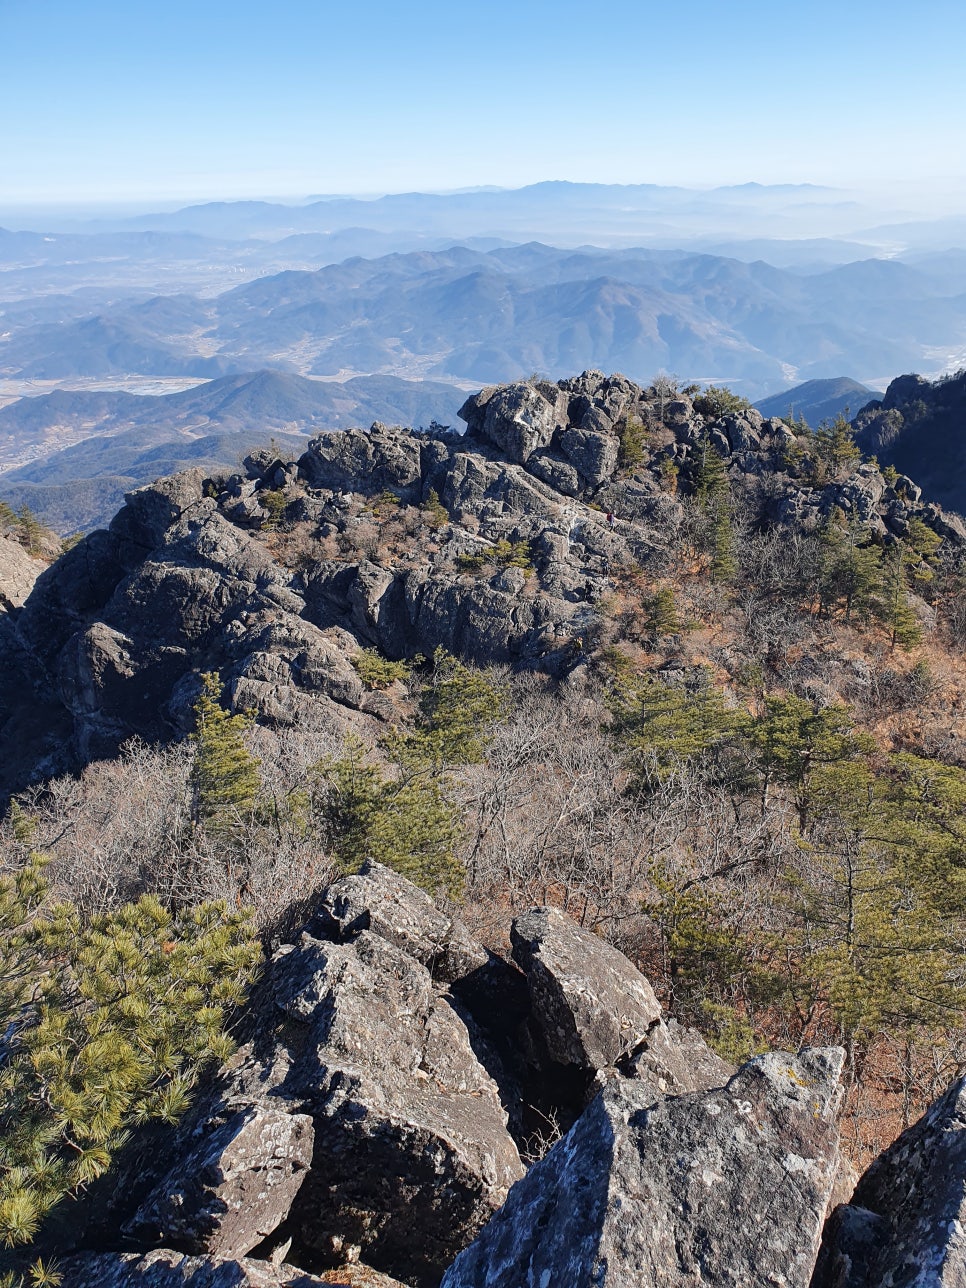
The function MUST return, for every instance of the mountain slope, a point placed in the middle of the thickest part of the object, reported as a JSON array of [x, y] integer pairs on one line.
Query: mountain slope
[[818, 400], [464, 314]]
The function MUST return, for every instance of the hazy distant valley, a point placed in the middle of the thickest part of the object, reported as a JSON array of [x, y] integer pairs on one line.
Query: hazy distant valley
[[131, 346]]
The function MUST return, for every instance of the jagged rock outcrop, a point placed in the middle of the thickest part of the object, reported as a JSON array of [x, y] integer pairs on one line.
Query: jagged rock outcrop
[[361, 1132], [917, 428], [279, 576], [904, 1224], [720, 1187], [233, 1189], [164, 1269], [366, 1118], [359, 1119], [18, 572]]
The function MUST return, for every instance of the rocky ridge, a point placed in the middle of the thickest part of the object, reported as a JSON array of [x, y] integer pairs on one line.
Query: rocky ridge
[[507, 539], [369, 1132]]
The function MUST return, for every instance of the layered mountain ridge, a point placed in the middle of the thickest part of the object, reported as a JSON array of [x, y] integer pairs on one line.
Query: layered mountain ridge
[[466, 314]]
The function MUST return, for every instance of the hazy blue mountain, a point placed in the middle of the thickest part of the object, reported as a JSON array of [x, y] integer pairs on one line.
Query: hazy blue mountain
[[543, 210], [273, 399], [121, 263], [105, 345], [466, 315], [818, 400]]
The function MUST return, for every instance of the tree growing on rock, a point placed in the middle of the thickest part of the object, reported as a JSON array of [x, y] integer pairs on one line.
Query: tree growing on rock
[[403, 812], [713, 494], [225, 774]]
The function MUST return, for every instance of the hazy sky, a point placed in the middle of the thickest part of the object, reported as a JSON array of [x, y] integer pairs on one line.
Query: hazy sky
[[147, 101]]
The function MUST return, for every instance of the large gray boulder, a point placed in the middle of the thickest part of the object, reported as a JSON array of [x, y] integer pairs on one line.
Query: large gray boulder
[[519, 419], [412, 1149], [380, 459], [233, 1189], [726, 1187], [590, 1006], [379, 899], [18, 572], [150, 511], [904, 1226], [593, 453], [165, 1269]]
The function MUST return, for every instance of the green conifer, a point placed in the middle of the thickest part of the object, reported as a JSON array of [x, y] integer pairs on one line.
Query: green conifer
[[225, 774], [850, 575], [105, 1025], [835, 446], [664, 725], [713, 494]]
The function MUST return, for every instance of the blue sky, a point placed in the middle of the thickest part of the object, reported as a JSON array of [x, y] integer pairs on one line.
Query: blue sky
[[142, 101]]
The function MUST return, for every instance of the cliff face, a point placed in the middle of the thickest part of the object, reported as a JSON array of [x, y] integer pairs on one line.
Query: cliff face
[[498, 545], [919, 426]]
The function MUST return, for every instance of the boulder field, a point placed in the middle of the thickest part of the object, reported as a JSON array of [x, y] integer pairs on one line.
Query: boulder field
[[407, 1108]]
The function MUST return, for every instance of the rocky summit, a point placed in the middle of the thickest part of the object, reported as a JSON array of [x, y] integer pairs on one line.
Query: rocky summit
[[371, 1131], [500, 544]]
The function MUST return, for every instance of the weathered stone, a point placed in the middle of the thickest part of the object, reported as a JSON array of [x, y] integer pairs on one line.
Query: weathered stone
[[590, 1006], [554, 471], [69, 594], [672, 1059], [743, 431], [377, 460], [382, 901], [232, 1188], [904, 1224], [150, 511], [18, 572], [412, 1152], [166, 1269], [517, 418], [722, 1188], [593, 454]]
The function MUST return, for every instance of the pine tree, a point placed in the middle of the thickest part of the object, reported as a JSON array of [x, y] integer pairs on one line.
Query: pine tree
[[663, 726], [835, 446], [403, 813], [851, 568], [879, 899], [712, 491], [105, 1025], [661, 612], [792, 738], [632, 435], [225, 774], [895, 609], [457, 708], [29, 530]]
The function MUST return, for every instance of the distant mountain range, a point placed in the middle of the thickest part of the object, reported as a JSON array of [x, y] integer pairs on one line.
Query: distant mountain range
[[131, 439], [539, 209], [819, 400], [466, 315]]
